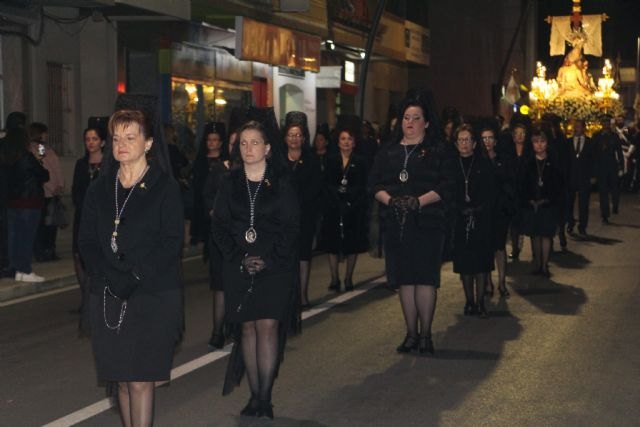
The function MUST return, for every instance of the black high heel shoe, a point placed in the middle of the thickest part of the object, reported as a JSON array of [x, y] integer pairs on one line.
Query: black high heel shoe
[[335, 286], [216, 341], [469, 309], [425, 345], [265, 409], [251, 410], [348, 285], [409, 343], [504, 292]]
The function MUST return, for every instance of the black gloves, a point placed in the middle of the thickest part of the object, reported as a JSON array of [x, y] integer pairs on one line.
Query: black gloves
[[404, 203], [252, 264]]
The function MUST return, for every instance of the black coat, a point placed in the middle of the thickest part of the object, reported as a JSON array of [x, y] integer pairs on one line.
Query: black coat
[[307, 181], [346, 204], [543, 220], [26, 177], [474, 217], [276, 222], [150, 234], [609, 158]]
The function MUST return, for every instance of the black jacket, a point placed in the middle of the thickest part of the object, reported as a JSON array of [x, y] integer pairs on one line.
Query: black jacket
[[277, 221], [150, 234], [26, 177], [581, 164]]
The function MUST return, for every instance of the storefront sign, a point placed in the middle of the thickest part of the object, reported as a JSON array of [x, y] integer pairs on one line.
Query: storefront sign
[[329, 77], [355, 13], [417, 42], [230, 68], [257, 41], [192, 62]]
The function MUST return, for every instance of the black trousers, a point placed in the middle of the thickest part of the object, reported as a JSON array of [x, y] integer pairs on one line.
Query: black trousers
[[609, 188], [583, 208]]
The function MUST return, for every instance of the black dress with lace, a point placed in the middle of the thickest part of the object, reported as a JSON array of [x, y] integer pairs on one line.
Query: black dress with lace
[[414, 240]]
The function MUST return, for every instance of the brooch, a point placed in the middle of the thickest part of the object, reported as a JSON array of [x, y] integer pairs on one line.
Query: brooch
[[143, 186]]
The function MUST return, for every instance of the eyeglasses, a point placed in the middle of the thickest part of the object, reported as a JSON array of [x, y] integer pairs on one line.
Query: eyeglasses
[[488, 138], [464, 140], [294, 136]]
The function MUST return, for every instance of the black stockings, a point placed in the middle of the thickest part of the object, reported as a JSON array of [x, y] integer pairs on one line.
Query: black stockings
[[418, 302], [335, 272], [305, 268], [136, 400], [260, 355], [480, 284], [218, 312], [541, 249]]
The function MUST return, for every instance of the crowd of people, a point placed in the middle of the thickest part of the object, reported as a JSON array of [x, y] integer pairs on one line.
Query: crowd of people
[[262, 199]]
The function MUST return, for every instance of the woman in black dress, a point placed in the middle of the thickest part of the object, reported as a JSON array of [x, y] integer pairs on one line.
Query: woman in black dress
[[255, 225], [321, 146], [307, 179], [541, 195], [475, 198], [208, 169], [131, 235], [518, 147], [413, 178], [345, 223], [87, 169], [505, 206]]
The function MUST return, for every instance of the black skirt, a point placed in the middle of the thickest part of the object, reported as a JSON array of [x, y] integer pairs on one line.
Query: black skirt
[[473, 252], [500, 231], [142, 350], [269, 297], [543, 222], [413, 254]]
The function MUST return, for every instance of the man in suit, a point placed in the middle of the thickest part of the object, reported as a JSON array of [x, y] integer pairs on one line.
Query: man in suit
[[609, 169], [581, 164]]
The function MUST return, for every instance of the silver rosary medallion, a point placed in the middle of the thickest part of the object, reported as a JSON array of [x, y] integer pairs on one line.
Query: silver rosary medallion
[[344, 182], [467, 198], [404, 175], [251, 235], [114, 245], [540, 182]]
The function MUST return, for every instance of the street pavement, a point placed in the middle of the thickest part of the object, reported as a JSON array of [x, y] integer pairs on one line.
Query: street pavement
[[559, 352]]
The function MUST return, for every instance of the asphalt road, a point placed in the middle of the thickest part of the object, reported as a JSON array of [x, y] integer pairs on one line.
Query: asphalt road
[[559, 352]]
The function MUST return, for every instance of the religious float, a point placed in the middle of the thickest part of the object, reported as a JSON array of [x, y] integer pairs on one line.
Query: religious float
[[573, 94]]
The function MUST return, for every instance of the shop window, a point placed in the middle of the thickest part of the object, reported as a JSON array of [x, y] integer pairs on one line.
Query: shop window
[[195, 103]]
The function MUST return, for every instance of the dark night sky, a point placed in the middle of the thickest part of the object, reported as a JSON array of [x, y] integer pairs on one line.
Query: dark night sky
[[619, 33]]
